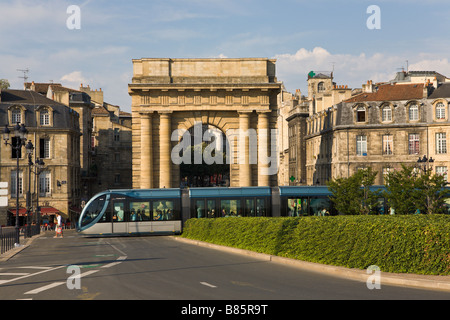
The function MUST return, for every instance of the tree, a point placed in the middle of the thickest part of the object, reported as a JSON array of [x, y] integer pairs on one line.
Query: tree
[[352, 195], [407, 191], [4, 84]]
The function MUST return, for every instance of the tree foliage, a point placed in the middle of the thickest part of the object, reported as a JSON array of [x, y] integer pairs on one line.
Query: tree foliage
[[411, 191], [4, 84], [353, 195]]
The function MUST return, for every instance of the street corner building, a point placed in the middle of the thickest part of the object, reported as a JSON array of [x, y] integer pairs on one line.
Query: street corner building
[[54, 131], [224, 94]]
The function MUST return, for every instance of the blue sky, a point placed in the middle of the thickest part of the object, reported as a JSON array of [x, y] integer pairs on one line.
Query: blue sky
[[301, 35]]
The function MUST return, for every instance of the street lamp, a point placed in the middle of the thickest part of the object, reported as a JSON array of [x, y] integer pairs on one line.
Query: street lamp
[[20, 135], [39, 168], [426, 162]]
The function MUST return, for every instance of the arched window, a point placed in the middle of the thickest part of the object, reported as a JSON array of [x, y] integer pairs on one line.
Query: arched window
[[413, 112], [321, 87], [361, 114], [16, 116], [386, 114], [44, 118], [440, 111]]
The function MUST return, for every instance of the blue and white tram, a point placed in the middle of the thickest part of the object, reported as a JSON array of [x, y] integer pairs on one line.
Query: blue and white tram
[[127, 212]]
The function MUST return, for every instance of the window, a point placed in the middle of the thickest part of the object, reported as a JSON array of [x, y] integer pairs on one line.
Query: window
[[321, 87], [361, 114], [116, 135], [230, 208], [413, 112], [16, 116], [440, 111], [163, 210], [386, 114], [140, 211], [14, 183], [442, 171], [388, 145], [386, 171], [44, 118], [414, 143], [44, 184], [441, 143], [361, 145], [44, 148]]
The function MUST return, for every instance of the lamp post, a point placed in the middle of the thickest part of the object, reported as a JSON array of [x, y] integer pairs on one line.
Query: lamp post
[[426, 163], [20, 135]]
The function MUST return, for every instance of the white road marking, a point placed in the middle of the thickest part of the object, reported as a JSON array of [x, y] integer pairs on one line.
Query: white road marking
[[29, 275], [208, 284], [14, 274], [119, 260], [50, 286], [57, 284]]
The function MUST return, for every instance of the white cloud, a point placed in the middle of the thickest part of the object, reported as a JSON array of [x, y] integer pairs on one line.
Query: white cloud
[[349, 69], [74, 78]]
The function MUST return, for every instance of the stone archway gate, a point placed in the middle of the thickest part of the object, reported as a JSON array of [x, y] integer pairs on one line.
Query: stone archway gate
[[234, 95]]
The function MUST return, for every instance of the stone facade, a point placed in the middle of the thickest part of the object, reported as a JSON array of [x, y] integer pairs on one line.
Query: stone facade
[[170, 94], [54, 130], [383, 126]]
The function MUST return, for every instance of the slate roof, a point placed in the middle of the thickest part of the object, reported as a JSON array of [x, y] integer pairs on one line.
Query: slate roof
[[31, 100], [443, 91]]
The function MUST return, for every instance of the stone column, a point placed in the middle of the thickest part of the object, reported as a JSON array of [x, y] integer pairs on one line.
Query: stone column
[[245, 178], [146, 151], [165, 167], [263, 149]]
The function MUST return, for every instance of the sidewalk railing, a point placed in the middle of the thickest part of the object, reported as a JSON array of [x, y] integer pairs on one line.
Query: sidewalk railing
[[7, 239]]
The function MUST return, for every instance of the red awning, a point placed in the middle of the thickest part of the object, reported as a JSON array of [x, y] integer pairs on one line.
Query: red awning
[[44, 211], [22, 211], [49, 210]]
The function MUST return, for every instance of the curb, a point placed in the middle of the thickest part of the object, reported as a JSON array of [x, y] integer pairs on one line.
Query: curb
[[430, 282]]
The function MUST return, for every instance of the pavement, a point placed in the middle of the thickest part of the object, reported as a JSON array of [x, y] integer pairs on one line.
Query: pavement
[[431, 282]]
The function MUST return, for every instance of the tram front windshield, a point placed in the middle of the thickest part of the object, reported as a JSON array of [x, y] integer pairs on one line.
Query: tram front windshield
[[92, 210]]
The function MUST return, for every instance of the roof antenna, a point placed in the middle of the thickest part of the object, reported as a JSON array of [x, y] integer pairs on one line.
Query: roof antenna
[[25, 75], [407, 66]]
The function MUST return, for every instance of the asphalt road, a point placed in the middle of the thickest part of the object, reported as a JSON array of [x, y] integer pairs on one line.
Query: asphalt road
[[161, 268]]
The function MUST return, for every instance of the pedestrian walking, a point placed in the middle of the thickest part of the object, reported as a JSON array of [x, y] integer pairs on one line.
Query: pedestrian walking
[[58, 229]]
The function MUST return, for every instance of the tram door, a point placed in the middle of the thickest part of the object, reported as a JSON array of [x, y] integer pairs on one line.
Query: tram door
[[119, 216]]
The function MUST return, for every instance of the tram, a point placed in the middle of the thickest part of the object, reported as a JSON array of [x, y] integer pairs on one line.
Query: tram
[[162, 211]]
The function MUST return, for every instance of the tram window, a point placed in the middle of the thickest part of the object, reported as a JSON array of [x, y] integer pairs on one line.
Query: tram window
[[211, 209], [230, 208], [261, 208], [200, 208], [320, 206], [118, 211], [163, 210], [93, 210], [140, 211], [249, 210], [297, 207]]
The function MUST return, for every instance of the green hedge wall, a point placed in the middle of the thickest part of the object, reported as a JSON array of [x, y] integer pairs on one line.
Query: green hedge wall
[[402, 244]]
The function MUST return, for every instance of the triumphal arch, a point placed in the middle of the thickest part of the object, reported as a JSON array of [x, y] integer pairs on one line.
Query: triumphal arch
[[179, 101]]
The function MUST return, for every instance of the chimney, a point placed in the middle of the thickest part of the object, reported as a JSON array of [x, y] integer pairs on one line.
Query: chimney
[[33, 86]]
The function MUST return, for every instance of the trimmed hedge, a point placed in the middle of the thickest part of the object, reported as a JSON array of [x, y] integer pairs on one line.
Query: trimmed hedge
[[401, 244]]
